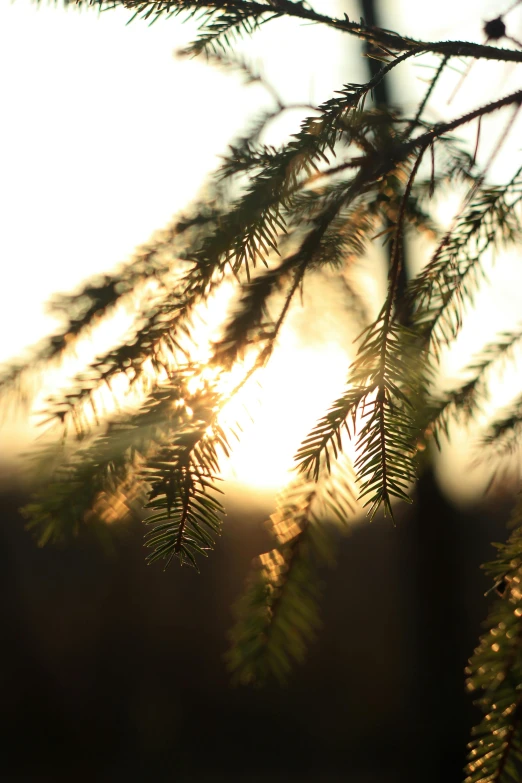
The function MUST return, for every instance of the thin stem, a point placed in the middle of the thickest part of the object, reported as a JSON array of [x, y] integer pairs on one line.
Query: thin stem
[[445, 127], [395, 260], [384, 38], [427, 96], [186, 505], [392, 40]]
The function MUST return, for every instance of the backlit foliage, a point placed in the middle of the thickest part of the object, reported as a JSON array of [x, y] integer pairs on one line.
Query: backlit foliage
[[353, 174]]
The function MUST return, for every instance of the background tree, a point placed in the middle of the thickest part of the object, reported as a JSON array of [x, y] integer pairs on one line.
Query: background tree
[[297, 210]]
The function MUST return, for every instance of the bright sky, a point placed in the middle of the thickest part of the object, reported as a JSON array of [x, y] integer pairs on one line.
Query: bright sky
[[107, 136]]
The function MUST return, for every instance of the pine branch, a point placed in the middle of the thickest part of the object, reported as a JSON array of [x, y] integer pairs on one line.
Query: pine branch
[[325, 440], [454, 272], [97, 300], [88, 485], [251, 323], [467, 401], [160, 339], [162, 335], [183, 478], [234, 11], [188, 514], [383, 381], [336, 236], [168, 449], [503, 434], [83, 311], [249, 233], [386, 464], [222, 18], [495, 672], [233, 21], [381, 378], [348, 236], [278, 615]]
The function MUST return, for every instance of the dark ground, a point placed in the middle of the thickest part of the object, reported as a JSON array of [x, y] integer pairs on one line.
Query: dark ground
[[112, 670]]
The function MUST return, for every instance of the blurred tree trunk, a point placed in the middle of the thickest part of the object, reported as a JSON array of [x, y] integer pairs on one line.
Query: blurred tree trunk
[[439, 631]]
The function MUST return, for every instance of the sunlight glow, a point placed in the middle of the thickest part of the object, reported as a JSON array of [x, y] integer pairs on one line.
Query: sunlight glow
[[128, 138], [294, 390]]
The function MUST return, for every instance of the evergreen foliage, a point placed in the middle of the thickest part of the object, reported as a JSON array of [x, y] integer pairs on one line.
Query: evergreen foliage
[[271, 217], [278, 614], [495, 671]]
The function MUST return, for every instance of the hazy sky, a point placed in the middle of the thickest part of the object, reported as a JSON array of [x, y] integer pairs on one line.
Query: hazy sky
[[107, 136]]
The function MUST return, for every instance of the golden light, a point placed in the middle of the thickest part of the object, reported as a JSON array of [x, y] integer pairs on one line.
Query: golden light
[[137, 188], [278, 407], [279, 404]]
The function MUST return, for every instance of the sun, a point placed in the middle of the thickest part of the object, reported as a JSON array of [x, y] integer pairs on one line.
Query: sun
[[278, 407], [280, 403]]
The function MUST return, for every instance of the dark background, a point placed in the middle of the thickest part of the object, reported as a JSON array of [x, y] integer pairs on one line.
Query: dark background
[[113, 670]]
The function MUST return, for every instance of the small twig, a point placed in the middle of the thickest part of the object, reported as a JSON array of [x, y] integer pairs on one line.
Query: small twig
[[477, 141], [395, 260], [427, 96]]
